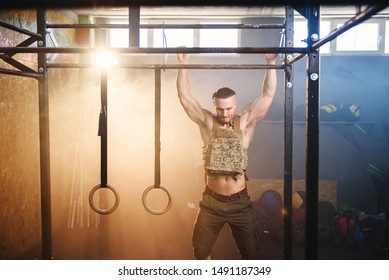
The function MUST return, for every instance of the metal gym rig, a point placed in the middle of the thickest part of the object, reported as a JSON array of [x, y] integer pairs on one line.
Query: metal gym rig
[[314, 42]]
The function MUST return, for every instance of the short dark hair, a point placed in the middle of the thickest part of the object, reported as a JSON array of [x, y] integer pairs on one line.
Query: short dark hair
[[223, 93]]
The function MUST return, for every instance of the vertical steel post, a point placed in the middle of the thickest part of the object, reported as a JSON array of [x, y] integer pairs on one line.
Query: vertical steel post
[[134, 19], [288, 136], [312, 133], [44, 141]]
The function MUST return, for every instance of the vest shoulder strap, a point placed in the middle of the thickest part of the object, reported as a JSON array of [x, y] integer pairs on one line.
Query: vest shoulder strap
[[236, 123]]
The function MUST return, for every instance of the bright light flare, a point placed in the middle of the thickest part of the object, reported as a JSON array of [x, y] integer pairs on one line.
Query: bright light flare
[[105, 60]]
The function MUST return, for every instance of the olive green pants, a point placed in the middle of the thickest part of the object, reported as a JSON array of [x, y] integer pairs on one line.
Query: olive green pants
[[213, 214]]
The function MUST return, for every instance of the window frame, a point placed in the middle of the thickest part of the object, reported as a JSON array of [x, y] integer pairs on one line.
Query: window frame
[[381, 36]]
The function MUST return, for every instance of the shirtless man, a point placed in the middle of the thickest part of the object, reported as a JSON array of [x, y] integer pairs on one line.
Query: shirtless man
[[226, 138]]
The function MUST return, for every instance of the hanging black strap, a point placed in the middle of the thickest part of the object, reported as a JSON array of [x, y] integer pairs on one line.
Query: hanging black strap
[[157, 128], [103, 126], [102, 132], [157, 158]]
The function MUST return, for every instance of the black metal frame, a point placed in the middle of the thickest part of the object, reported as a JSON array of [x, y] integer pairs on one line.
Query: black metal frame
[[288, 136], [44, 141], [312, 140], [311, 12]]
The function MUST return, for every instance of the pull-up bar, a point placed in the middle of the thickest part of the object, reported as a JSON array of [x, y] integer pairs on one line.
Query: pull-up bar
[[242, 50], [170, 66], [169, 26]]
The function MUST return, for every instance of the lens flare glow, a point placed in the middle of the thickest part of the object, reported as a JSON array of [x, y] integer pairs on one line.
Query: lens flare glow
[[105, 60]]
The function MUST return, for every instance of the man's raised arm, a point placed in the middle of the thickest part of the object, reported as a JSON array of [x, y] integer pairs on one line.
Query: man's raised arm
[[191, 106], [262, 104]]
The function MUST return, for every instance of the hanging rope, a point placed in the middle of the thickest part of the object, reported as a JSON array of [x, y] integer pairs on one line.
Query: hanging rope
[[157, 156], [103, 127], [164, 45]]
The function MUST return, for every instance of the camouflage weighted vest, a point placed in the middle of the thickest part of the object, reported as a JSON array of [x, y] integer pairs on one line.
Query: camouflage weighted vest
[[225, 153]]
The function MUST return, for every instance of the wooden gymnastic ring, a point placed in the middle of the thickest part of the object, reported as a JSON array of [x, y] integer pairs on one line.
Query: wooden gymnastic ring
[[102, 211], [153, 211]]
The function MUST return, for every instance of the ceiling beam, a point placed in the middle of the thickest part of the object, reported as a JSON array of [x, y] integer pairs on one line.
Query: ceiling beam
[[33, 4]]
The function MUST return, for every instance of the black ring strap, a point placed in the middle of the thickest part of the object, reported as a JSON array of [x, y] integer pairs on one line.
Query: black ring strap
[[103, 133], [157, 158]]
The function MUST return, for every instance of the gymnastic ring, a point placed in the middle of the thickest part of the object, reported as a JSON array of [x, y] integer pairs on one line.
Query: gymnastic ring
[[102, 211], [153, 211]]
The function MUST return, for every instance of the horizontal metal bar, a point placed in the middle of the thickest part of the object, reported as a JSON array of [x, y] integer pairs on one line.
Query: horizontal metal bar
[[247, 50], [170, 66], [49, 4], [321, 122], [20, 30], [170, 26], [19, 73], [360, 17]]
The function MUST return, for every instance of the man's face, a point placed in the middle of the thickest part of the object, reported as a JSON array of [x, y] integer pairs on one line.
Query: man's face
[[225, 108]]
